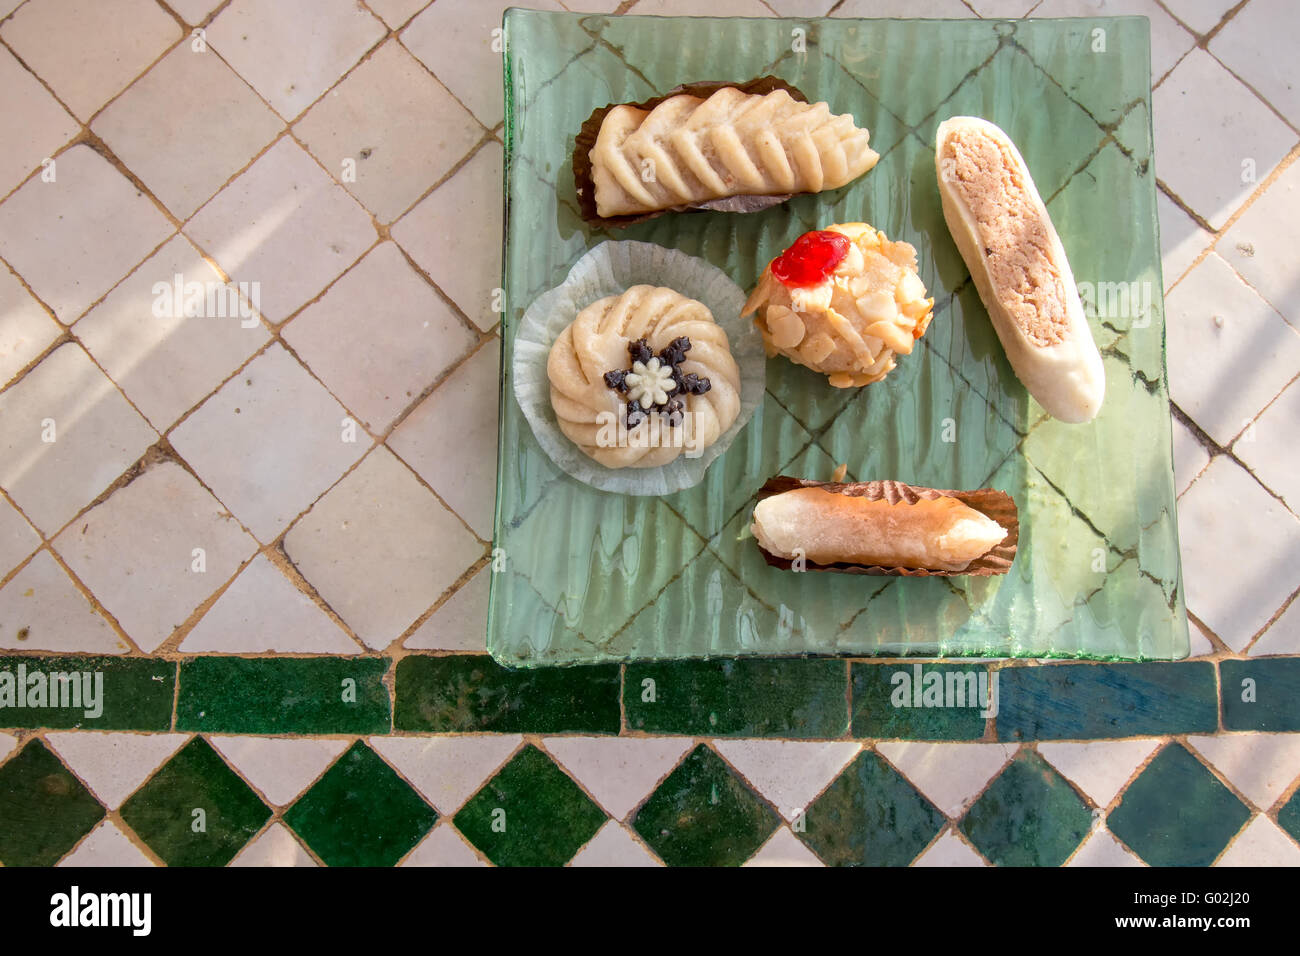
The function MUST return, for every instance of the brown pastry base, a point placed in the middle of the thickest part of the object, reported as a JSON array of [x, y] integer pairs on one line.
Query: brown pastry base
[[586, 139], [997, 505]]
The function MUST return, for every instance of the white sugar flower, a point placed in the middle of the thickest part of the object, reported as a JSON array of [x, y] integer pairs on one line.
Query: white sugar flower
[[649, 382]]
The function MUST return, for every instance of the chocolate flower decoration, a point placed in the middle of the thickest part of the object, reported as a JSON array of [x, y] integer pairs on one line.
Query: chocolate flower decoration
[[654, 381]]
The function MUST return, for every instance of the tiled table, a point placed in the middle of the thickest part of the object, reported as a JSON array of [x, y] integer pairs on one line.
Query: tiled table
[[268, 531]]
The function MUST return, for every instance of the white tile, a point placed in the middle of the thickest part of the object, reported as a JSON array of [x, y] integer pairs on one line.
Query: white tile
[[107, 846], [114, 765], [276, 847], [594, 6], [264, 612], [454, 39], [87, 50], [163, 359], [9, 6], [447, 770], [1190, 457], [950, 775], [443, 847], [1100, 769], [693, 8], [285, 225], [1262, 843], [1215, 141], [784, 849], [1102, 849], [136, 551], [280, 767], [815, 8], [1269, 449], [1229, 352], [380, 549], [454, 235], [1201, 15], [1227, 521], [1283, 636], [292, 51], [26, 329], [42, 610], [18, 539], [790, 774], [1181, 239], [614, 846], [389, 131], [32, 123], [1003, 9], [950, 850], [93, 435], [1256, 44], [1261, 244], [939, 9], [194, 12], [1262, 766], [619, 773], [396, 12], [1169, 41], [1199, 641], [186, 127], [461, 623], [269, 442], [89, 215], [461, 413], [408, 339]]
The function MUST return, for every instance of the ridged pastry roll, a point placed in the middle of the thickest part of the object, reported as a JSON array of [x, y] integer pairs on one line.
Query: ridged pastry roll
[[843, 301], [688, 150], [1015, 256]]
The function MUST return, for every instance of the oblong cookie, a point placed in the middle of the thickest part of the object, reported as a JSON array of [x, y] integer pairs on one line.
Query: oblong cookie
[[1016, 258]]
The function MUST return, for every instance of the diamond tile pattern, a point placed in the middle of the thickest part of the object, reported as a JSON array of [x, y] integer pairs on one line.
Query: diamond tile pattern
[[193, 139], [530, 814], [704, 815], [361, 813], [196, 811]]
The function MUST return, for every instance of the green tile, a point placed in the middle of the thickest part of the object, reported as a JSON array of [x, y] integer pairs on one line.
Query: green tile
[[738, 698], [44, 810], [1261, 694], [704, 815], [1288, 818], [885, 704], [1090, 701], [319, 695], [870, 816], [1097, 61], [1177, 813], [361, 813], [195, 811], [126, 694], [473, 693], [530, 814], [1029, 816]]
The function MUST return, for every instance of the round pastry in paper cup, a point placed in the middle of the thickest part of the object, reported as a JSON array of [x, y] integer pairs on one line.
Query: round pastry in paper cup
[[639, 270]]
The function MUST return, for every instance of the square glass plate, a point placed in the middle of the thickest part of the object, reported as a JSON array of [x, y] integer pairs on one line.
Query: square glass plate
[[582, 576]]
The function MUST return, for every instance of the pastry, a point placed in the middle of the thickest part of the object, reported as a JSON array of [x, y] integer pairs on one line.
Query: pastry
[[640, 378], [844, 301], [1015, 256], [712, 142], [884, 527]]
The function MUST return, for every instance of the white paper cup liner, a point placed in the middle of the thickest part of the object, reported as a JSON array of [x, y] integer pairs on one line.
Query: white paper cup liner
[[610, 269]]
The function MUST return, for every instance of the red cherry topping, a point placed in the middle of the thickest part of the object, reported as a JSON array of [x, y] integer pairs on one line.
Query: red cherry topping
[[811, 259]]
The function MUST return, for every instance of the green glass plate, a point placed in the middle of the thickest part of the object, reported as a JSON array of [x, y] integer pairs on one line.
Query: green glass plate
[[581, 576]]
